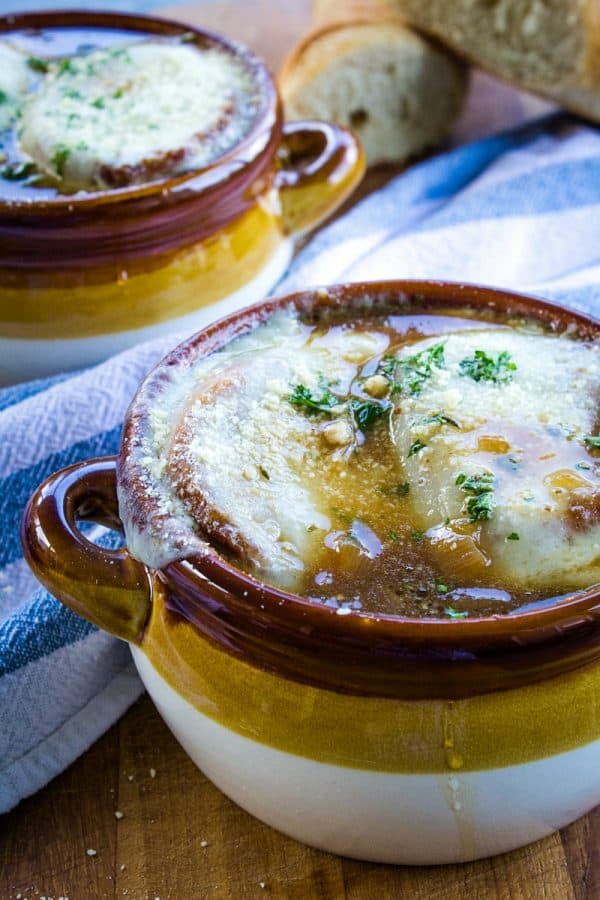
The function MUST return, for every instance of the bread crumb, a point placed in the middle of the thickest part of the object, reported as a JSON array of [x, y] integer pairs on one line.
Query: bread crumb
[[91, 852], [262, 884], [122, 867], [152, 773], [119, 814], [376, 386], [337, 433], [130, 778], [204, 843]]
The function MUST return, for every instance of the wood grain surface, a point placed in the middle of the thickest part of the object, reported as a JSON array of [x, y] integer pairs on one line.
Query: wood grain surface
[[179, 838]]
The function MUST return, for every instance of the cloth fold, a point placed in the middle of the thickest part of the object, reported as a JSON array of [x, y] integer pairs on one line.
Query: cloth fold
[[519, 210]]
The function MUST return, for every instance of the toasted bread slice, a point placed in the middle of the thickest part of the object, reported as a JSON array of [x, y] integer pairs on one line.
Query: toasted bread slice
[[498, 460], [238, 459], [131, 114]]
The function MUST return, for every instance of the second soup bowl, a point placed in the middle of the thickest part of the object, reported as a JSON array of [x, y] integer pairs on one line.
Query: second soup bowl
[[376, 736], [84, 275]]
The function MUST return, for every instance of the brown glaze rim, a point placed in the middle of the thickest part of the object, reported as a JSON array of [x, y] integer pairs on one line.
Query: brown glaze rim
[[158, 217], [362, 652]]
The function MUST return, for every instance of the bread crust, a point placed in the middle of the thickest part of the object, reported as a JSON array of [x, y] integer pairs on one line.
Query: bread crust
[[578, 90], [320, 50]]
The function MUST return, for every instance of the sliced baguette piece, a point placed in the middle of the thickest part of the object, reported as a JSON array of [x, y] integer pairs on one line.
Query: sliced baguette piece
[[550, 47], [397, 91]]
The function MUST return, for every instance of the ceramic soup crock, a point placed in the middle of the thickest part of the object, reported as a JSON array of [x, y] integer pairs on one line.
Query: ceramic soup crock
[[85, 275], [398, 740]]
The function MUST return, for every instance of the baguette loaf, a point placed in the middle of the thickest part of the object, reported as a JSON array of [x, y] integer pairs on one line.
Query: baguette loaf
[[395, 89], [551, 47]]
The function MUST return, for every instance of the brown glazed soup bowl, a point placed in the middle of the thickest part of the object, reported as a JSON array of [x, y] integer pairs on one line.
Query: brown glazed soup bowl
[[87, 274], [385, 738]]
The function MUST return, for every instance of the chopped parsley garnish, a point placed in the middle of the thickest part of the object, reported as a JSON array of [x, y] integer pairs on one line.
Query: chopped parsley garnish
[[592, 440], [38, 64], [3, 98], [18, 171], [60, 157], [417, 536], [583, 466], [513, 536], [66, 65], [455, 613], [366, 412], [393, 535], [416, 448], [441, 587], [480, 488], [363, 413], [99, 103], [121, 53], [482, 367], [401, 490], [303, 397], [410, 374], [118, 94], [437, 419]]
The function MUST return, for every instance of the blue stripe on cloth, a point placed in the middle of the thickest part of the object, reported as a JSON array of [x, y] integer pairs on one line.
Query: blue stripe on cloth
[[16, 488], [417, 199], [446, 174], [550, 188], [10, 396], [36, 630]]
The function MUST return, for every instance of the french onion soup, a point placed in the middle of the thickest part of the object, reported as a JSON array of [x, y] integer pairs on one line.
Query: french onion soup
[[419, 463], [116, 114]]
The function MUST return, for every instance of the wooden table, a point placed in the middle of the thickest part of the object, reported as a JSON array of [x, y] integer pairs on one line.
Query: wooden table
[[181, 839], [134, 818]]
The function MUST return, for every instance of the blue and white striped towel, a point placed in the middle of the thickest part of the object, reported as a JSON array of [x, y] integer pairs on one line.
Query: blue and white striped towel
[[520, 210]]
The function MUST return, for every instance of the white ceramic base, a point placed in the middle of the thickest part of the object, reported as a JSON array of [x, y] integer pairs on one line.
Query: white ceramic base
[[24, 359], [383, 817]]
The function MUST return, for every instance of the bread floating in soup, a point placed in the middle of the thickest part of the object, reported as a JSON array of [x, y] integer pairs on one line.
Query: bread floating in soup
[[417, 464], [121, 115]]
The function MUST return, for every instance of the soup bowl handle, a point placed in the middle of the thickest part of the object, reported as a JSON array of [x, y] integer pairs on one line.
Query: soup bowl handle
[[320, 164], [105, 586]]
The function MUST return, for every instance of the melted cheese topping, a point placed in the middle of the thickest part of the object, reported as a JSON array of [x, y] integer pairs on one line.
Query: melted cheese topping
[[15, 78], [324, 496], [227, 450], [525, 437], [128, 114]]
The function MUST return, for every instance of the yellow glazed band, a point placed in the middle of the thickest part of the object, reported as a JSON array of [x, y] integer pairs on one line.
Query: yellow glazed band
[[88, 302], [413, 737]]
